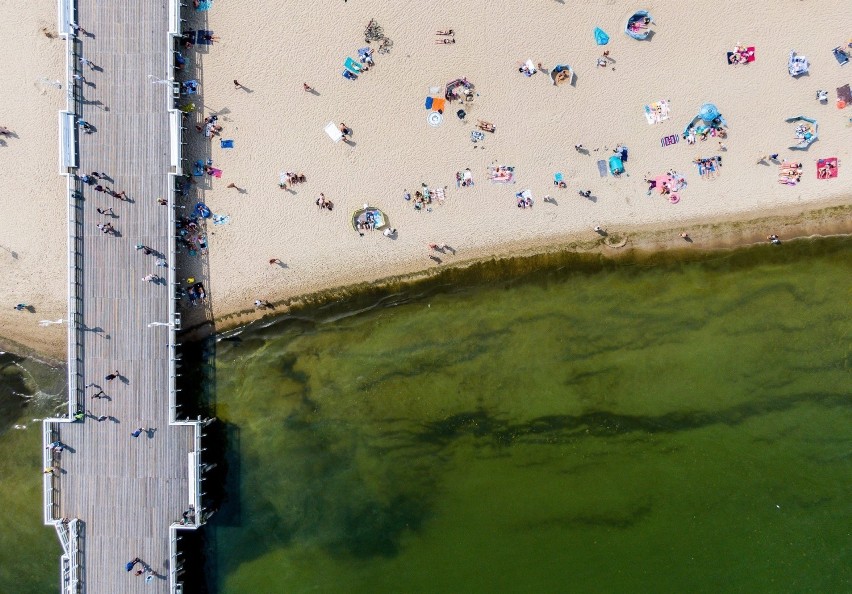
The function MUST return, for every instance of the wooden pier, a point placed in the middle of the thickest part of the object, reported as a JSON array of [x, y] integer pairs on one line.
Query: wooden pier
[[113, 493]]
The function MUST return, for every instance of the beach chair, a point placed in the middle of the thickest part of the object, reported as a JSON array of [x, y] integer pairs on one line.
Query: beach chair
[[352, 66]]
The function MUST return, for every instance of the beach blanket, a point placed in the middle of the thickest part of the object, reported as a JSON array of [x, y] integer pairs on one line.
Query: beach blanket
[[226, 144], [601, 38], [217, 173], [669, 140], [464, 178], [204, 6], [476, 136], [501, 174], [602, 169], [439, 194], [201, 37], [743, 56], [221, 219], [827, 168], [657, 112], [844, 93], [708, 167]]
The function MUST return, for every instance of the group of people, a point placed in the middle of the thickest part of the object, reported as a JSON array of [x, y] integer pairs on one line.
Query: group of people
[[789, 173], [210, 126]]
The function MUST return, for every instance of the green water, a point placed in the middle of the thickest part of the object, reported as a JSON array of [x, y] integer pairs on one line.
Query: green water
[[29, 550], [662, 426]]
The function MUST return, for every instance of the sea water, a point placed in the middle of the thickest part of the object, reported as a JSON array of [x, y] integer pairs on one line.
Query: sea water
[[560, 424], [658, 425]]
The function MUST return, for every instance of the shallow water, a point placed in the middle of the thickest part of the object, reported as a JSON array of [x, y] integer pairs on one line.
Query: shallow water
[[29, 551], [664, 425]]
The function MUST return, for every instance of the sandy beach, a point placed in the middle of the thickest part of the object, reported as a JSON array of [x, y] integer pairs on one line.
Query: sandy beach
[[276, 126]]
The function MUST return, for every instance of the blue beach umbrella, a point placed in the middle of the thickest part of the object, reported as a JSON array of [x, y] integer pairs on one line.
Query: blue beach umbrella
[[708, 112]]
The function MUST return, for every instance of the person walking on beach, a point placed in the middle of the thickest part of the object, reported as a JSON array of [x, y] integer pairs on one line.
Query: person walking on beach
[[112, 375], [137, 433], [307, 87], [150, 278], [86, 62], [76, 29], [105, 211], [237, 84]]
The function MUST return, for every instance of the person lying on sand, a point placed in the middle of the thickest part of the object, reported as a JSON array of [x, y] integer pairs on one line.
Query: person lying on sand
[[447, 32], [443, 41]]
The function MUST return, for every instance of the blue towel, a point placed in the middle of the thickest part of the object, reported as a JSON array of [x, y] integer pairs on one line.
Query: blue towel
[[600, 37], [226, 143]]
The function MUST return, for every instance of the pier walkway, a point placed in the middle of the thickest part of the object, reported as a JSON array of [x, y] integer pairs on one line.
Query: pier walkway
[[113, 493]]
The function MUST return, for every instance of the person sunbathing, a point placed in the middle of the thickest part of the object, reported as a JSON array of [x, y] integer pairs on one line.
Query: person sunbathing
[[443, 41], [447, 32]]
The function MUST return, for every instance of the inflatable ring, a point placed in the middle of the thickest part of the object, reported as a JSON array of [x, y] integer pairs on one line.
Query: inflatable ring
[[435, 119], [674, 198]]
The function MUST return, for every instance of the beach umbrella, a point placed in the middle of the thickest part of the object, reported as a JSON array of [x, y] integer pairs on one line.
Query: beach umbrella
[[708, 112]]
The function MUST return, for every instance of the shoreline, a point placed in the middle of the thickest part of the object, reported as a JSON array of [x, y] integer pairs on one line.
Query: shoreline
[[725, 233], [832, 220]]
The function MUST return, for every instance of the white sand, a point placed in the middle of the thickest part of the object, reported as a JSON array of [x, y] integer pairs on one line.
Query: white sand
[[277, 127], [33, 204]]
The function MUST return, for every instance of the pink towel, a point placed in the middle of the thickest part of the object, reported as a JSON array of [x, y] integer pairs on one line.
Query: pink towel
[[215, 172]]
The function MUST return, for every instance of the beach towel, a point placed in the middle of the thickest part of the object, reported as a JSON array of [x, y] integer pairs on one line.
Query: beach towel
[[602, 168], [333, 132], [841, 56], [204, 6], [226, 144], [439, 194], [349, 75], [217, 173], [844, 93], [827, 168], [201, 37], [669, 140], [657, 112], [601, 38], [352, 66], [221, 219], [476, 136], [501, 174]]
